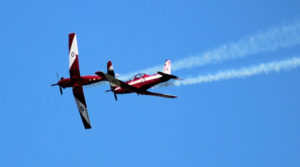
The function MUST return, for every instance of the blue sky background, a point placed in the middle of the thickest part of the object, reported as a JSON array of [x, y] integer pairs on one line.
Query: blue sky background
[[247, 122]]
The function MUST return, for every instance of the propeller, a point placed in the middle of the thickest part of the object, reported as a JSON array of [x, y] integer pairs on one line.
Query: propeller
[[60, 88], [115, 96], [111, 90]]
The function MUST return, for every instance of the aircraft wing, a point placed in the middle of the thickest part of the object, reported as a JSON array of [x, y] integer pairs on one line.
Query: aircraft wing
[[157, 94], [80, 101], [75, 76], [73, 57], [117, 82]]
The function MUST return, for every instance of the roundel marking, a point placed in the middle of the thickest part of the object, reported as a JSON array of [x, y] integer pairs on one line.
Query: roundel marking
[[72, 54], [81, 108]]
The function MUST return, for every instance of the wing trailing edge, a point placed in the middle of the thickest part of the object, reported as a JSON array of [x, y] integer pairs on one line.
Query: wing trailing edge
[[157, 94]]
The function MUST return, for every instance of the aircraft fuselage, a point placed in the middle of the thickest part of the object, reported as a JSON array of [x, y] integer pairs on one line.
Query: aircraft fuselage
[[83, 80], [144, 82]]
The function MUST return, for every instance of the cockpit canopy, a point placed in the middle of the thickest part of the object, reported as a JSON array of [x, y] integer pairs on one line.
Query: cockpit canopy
[[137, 76]]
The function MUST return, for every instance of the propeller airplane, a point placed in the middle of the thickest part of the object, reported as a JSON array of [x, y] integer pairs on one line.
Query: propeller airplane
[[139, 83], [76, 81]]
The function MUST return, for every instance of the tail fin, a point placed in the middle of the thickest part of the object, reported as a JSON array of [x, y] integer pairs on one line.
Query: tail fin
[[110, 71], [167, 71], [167, 67]]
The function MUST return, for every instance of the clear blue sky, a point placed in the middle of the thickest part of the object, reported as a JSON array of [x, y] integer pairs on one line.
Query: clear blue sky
[[247, 122]]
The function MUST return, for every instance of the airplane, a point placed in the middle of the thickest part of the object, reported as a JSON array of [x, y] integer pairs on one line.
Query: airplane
[[138, 83], [76, 81]]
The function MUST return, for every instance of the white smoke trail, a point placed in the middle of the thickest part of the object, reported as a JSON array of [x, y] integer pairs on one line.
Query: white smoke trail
[[264, 68], [278, 37]]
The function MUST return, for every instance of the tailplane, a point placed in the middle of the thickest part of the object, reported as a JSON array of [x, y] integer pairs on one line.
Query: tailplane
[[110, 71]]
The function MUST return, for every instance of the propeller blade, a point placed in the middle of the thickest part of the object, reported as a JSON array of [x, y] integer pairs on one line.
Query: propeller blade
[[116, 98], [60, 89]]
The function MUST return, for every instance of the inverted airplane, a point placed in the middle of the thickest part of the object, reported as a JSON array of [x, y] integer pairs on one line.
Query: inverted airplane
[[140, 83], [77, 82]]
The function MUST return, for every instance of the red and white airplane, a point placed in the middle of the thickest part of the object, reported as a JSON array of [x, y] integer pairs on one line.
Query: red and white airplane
[[76, 81], [139, 83]]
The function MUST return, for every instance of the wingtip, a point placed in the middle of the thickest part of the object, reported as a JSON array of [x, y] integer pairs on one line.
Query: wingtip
[[87, 128], [116, 98], [87, 125], [172, 96]]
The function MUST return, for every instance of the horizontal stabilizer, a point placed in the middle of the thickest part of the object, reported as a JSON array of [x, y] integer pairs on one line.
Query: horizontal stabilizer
[[168, 75]]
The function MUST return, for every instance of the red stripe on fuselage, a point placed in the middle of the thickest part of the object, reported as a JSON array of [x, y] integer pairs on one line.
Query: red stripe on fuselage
[[142, 83]]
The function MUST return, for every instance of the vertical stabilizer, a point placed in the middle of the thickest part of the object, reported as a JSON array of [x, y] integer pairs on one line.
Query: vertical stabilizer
[[167, 67], [110, 71]]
